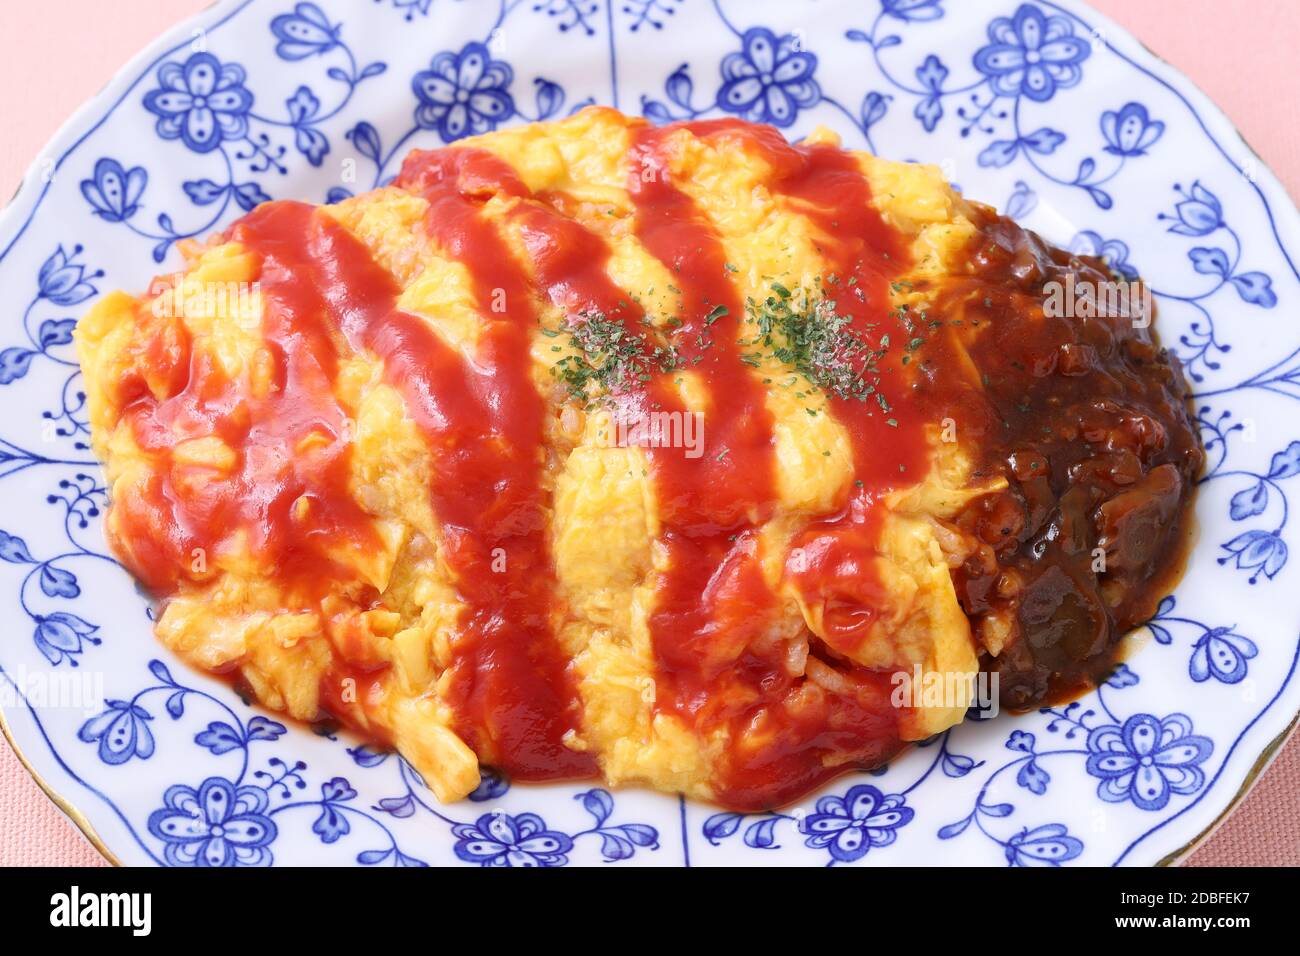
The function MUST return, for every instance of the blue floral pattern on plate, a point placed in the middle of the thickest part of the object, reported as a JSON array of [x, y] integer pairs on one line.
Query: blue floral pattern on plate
[[1017, 101]]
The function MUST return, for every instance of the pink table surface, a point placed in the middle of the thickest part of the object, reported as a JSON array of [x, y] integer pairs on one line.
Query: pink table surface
[[1240, 52]]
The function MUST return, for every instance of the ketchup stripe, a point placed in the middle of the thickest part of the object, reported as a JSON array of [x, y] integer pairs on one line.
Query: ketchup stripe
[[507, 682], [193, 510]]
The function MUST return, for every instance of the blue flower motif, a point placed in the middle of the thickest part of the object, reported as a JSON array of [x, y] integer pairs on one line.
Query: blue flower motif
[[1032, 55], [1221, 654], [913, 11], [851, 825], [1114, 252], [218, 825], [122, 732], [114, 192], [305, 31], [498, 839], [463, 94], [1131, 131], [202, 102], [1199, 214], [60, 635], [1262, 551], [769, 80], [1049, 845], [63, 281], [1147, 760]]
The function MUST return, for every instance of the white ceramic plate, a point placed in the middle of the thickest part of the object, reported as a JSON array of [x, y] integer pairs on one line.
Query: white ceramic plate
[[1045, 109]]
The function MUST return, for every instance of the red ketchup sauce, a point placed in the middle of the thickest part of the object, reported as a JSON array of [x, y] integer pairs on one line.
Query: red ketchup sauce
[[189, 515], [814, 734]]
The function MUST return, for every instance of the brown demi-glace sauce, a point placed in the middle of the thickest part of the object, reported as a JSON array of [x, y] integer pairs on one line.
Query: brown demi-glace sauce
[[1085, 418], [1088, 420]]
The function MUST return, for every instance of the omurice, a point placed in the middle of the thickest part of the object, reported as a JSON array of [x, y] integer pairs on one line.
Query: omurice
[[595, 449]]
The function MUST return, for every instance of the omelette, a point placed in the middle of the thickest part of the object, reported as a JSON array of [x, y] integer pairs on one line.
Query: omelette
[[663, 456]]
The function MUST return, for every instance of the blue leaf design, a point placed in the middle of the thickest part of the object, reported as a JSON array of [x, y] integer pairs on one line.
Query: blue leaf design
[[997, 809], [931, 75], [1286, 463], [874, 107], [1022, 741], [1022, 202], [1251, 501], [721, 825], [367, 756], [1100, 197], [337, 789], [1256, 288], [263, 728], [14, 363], [372, 857], [1033, 778], [550, 97], [954, 829], [160, 671], [492, 784], [176, 704], [56, 332], [220, 738], [762, 835], [57, 582], [202, 192], [331, 824], [1045, 141], [640, 833], [249, 195], [957, 765], [613, 847], [680, 88], [1210, 261], [913, 10], [398, 806], [598, 803], [14, 549], [655, 111], [1124, 676], [999, 153], [366, 139]]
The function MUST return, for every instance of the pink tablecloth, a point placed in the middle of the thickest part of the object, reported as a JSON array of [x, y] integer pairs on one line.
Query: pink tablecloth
[[1241, 52]]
